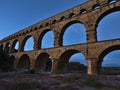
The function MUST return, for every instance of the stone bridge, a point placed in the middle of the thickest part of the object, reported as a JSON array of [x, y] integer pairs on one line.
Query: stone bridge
[[89, 14]]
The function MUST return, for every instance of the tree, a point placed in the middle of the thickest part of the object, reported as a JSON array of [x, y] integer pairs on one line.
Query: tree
[[76, 66], [4, 60]]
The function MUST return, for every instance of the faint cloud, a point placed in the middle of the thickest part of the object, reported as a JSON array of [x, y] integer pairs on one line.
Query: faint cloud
[[77, 29]]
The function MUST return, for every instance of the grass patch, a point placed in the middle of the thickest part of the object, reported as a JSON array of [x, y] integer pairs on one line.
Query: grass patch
[[93, 83], [25, 86], [73, 77]]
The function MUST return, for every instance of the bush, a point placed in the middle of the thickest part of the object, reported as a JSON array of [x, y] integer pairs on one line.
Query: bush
[[4, 61]]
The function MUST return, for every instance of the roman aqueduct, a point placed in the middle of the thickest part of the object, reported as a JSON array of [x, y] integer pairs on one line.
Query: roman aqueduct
[[89, 14]]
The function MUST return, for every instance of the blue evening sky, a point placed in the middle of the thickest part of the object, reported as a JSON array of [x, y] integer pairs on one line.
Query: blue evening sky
[[16, 15]]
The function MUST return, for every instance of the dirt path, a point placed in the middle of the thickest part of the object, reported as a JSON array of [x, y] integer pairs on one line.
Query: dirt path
[[68, 81]]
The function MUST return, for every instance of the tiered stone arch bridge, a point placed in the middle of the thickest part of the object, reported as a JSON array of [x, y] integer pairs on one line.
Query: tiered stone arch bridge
[[89, 14]]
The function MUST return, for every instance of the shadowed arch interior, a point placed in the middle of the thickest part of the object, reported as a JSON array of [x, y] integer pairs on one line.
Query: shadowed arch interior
[[1, 48], [64, 60], [24, 62], [111, 1], [11, 62], [7, 47], [43, 62], [71, 33]]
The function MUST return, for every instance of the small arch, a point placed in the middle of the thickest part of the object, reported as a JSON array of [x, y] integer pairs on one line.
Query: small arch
[[54, 21], [96, 6], [111, 1], [46, 24], [62, 18], [64, 60], [23, 33], [72, 15], [19, 34], [41, 26], [27, 32], [23, 63], [31, 30], [43, 62], [35, 28], [82, 11]]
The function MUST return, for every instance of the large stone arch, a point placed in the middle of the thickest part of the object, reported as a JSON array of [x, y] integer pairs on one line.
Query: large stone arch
[[39, 42], [41, 62], [13, 50], [1, 48], [24, 41], [104, 53], [64, 59], [23, 62], [64, 29], [12, 61], [7, 47], [105, 13]]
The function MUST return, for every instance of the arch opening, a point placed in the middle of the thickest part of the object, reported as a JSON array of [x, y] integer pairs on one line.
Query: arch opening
[[43, 63], [15, 46], [72, 15], [1, 48], [46, 39], [72, 61], [54, 21], [74, 33], [111, 1], [11, 62], [28, 43], [82, 11], [62, 18], [109, 27], [23, 63], [109, 61], [97, 6], [7, 47]]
